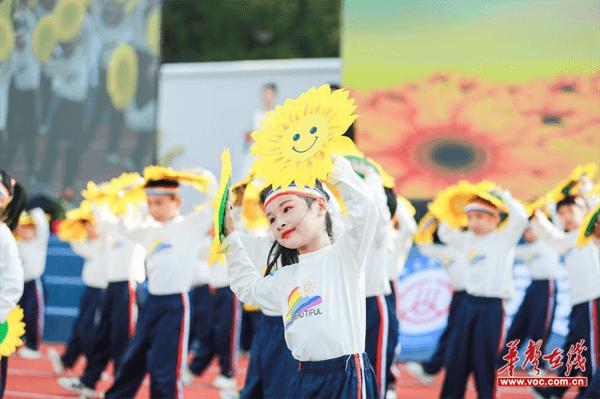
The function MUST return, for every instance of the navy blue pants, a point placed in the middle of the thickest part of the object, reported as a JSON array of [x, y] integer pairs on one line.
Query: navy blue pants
[[159, 346], [473, 347], [250, 320], [349, 376], [3, 374], [534, 317], [584, 323], [436, 362], [271, 364], [118, 314], [200, 311], [393, 350], [83, 331], [32, 302], [593, 389], [222, 337], [376, 342]]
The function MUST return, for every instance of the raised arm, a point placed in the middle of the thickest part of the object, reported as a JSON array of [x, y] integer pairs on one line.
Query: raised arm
[[42, 227], [450, 236], [361, 221], [517, 217], [544, 229]]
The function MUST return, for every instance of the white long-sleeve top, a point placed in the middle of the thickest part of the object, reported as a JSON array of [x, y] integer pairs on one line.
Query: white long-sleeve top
[[124, 259], [33, 252], [70, 75], [376, 273], [583, 264], [93, 252], [11, 273], [200, 263], [455, 262], [541, 259], [169, 247], [322, 297], [490, 256], [401, 241]]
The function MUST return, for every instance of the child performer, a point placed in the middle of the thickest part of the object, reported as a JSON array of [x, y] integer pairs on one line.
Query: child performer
[[320, 287], [12, 202], [474, 345], [93, 274], [159, 345], [32, 234], [402, 231], [583, 272], [118, 312], [456, 265], [535, 315]]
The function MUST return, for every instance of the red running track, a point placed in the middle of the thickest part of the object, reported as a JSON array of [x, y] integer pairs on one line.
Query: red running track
[[33, 379]]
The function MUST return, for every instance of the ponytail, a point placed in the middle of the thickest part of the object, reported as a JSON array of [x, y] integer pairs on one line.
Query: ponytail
[[10, 214]]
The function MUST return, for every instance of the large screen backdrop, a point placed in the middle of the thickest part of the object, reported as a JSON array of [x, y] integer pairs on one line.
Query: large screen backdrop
[[507, 91], [78, 91]]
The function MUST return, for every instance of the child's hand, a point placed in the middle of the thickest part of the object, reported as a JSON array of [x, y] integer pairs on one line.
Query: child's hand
[[228, 223]]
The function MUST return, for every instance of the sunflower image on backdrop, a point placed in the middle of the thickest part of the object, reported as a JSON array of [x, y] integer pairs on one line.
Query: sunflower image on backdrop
[[7, 38], [11, 332], [121, 76], [153, 32], [219, 208], [45, 37], [586, 230], [295, 140], [69, 17]]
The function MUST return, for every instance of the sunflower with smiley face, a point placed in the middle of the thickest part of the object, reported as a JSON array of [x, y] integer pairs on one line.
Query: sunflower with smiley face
[[295, 140]]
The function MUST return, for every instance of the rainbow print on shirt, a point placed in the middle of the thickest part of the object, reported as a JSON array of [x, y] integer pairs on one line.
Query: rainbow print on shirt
[[301, 306], [474, 258], [157, 246]]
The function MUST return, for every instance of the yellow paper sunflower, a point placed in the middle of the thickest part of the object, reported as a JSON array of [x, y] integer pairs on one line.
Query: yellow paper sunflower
[[122, 76], [572, 185], [253, 215], [11, 332], [586, 230], [153, 32], [197, 180], [69, 16], [295, 140], [346, 148], [7, 38], [449, 204], [425, 229], [45, 37], [532, 206], [72, 229], [219, 208]]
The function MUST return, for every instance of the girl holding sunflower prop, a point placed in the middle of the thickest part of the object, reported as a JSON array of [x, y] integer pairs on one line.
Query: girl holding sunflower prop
[[12, 202], [490, 252], [456, 265], [316, 284], [583, 267]]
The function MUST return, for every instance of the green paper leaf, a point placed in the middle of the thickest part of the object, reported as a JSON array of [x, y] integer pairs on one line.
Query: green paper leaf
[[222, 208]]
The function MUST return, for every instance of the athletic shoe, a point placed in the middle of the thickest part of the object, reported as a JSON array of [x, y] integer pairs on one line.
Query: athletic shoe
[[57, 365], [29, 354], [187, 377], [416, 370], [225, 383], [74, 384]]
